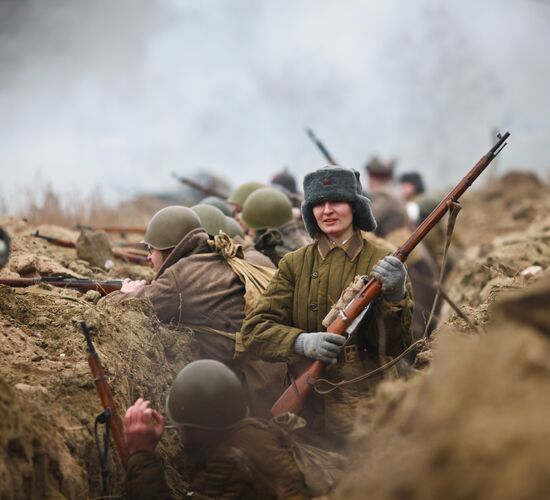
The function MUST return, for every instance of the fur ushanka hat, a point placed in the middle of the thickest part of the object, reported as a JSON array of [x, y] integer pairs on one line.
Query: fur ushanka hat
[[336, 184]]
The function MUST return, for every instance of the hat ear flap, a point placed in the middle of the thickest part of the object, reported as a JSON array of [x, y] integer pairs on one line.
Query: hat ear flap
[[358, 182], [309, 219], [363, 217]]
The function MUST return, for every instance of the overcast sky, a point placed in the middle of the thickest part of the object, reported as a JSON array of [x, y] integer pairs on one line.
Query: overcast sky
[[120, 94]]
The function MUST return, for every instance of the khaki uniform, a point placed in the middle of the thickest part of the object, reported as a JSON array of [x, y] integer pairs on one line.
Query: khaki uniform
[[247, 462], [308, 282], [196, 289]]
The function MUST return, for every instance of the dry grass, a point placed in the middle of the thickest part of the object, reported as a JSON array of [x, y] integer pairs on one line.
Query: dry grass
[[49, 207]]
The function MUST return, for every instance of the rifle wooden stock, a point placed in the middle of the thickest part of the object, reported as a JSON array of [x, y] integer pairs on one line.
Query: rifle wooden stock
[[292, 400], [103, 287], [106, 397]]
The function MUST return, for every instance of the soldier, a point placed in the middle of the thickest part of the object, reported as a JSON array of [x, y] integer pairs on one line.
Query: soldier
[[275, 231], [286, 180], [380, 176], [195, 288], [383, 190], [227, 455], [286, 325]]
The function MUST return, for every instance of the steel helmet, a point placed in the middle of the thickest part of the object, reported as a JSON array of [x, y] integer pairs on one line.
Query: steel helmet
[[169, 225], [218, 203], [206, 394], [267, 208], [239, 196], [233, 228], [212, 218]]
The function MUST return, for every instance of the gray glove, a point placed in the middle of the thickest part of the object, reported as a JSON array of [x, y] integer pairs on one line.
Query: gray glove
[[319, 345], [392, 274]]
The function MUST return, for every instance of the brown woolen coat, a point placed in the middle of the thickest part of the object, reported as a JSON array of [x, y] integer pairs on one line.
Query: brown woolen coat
[[196, 289]]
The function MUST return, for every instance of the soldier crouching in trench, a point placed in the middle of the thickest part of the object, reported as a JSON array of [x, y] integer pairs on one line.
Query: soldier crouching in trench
[[286, 324], [196, 289], [227, 454]]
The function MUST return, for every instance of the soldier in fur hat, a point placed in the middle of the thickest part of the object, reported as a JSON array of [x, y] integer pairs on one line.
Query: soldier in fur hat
[[287, 325]]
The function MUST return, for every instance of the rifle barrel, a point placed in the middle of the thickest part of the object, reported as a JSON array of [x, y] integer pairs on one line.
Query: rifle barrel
[[321, 147], [442, 208], [207, 191]]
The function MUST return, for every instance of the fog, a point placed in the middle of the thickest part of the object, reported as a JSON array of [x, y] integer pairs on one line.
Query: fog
[[120, 94]]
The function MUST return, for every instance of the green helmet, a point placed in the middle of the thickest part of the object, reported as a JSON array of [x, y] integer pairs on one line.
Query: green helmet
[[267, 208], [218, 203], [169, 225], [206, 394], [212, 219], [239, 196], [233, 228]]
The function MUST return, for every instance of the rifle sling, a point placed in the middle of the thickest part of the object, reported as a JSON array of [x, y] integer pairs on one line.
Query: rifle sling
[[454, 209], [103, 451]]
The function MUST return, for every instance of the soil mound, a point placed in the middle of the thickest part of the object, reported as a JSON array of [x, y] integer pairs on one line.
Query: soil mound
[[474, 425], [511, 203], [509, 261], [47, 393]]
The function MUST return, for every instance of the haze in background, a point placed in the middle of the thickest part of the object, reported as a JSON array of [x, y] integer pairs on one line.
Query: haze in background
[[120, 94]]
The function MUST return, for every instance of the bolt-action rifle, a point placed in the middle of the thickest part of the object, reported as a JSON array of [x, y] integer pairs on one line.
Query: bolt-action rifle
[[292, 400], [127, 255], [207, 191], [109, 416], [321, 147], [82, 285]]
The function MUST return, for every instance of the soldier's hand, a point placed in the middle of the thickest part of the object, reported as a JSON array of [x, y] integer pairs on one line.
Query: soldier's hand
[[143, 427], [392, 274], [319, 345], [129, 286]]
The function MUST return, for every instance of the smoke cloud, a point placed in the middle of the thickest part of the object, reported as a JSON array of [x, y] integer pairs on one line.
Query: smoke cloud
[[120, 94]]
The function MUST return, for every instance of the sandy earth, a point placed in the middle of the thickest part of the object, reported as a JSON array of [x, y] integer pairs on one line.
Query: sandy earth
[[48, 394], [472, 424]]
